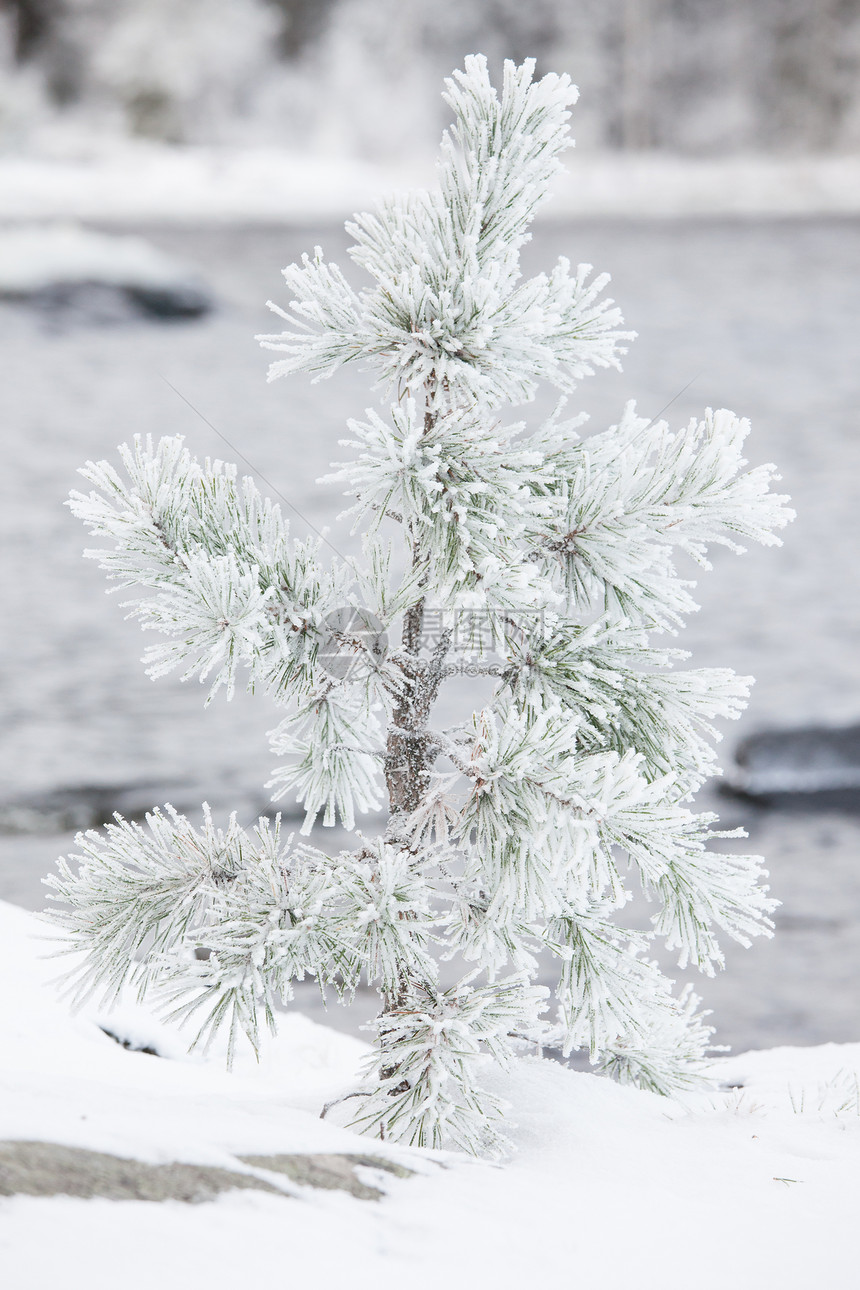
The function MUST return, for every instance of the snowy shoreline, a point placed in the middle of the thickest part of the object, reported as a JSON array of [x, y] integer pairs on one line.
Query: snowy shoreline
[[128, 182]]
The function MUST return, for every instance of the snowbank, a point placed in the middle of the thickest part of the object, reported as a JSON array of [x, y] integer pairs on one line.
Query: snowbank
[[753, 1186], [128, 182], [64, 266], [35, 257]]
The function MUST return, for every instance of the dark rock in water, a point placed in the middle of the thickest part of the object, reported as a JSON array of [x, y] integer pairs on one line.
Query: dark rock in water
[[80, 276], [182, 300], [89, 806], [103, 303], [807, 768], [72, 304]]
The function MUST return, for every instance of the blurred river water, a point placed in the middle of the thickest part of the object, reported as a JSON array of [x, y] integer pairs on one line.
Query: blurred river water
[[758, 316]]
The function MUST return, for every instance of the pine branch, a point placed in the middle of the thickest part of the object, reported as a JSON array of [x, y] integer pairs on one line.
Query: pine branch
[[447, 306], [631, 495], [230, 588], [423, 1087], [144, 900], [331, 740]]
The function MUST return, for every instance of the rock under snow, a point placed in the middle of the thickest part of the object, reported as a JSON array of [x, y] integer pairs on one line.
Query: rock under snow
[[752, 1184], [810, 767], [65, 266]]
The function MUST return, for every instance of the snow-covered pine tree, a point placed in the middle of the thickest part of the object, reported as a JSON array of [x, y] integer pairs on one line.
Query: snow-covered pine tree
[[538, 562]]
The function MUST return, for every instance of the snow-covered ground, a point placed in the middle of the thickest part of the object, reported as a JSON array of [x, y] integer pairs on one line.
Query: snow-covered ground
[[127, 181], [752, 1186]]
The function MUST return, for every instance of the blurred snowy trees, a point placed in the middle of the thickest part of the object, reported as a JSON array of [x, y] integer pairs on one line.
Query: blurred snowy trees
[[697, 76]]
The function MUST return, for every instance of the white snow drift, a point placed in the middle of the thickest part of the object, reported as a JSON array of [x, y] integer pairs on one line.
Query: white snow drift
[[753, 1186], [35, 257]]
